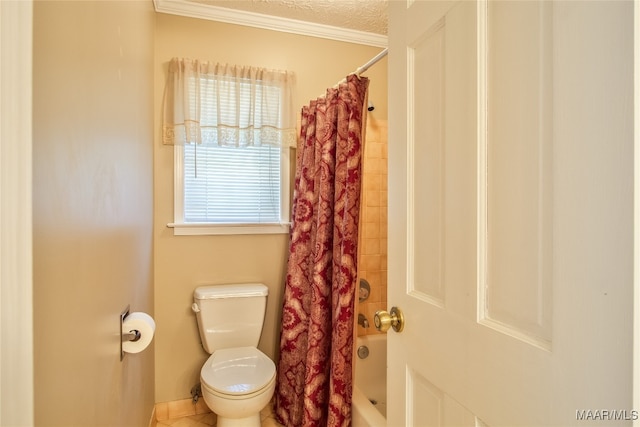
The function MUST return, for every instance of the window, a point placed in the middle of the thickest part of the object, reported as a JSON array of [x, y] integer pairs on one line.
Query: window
[[232, 131]]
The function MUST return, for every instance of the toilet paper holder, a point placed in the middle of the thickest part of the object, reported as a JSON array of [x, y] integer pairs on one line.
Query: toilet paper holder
[[133, 335]]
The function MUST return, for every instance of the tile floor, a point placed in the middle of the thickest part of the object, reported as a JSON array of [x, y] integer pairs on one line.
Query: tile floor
[[209, 420]]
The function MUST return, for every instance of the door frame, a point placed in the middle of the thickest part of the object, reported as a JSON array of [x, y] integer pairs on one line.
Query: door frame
[[636, 216], [16, 251]]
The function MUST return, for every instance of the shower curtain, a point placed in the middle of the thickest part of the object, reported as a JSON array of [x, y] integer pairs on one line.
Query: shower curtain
[[316, 345]]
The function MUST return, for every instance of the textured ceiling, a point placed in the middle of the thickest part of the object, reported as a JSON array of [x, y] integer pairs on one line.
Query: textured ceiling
[[361, 15]]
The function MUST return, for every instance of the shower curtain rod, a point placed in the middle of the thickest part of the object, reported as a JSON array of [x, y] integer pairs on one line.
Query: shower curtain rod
[[364, 67], [372, 61]]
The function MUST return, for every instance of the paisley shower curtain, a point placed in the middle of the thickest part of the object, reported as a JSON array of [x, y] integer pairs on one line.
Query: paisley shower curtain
[[314, 383]]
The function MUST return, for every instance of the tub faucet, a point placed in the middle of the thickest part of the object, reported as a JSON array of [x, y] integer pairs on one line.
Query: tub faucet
[[362, 321]]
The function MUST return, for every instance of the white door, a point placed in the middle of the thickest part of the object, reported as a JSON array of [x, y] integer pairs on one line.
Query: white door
[[511, 213]]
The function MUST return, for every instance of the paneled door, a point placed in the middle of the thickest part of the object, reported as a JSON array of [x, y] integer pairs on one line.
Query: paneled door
[[511, 213]]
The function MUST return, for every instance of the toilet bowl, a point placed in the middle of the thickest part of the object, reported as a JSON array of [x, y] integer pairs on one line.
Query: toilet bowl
[[237, 380], [236, 384]]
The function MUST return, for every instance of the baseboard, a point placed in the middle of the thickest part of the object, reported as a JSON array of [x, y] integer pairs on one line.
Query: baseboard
[[179, 408], [153, 421]]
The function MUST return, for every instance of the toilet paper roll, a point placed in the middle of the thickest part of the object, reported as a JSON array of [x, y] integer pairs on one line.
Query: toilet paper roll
[[142, 323]]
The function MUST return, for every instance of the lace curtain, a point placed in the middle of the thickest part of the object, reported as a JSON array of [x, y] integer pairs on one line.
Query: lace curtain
[[230, 105]]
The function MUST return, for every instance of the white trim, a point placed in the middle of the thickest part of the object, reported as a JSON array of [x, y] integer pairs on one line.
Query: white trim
[[239, 17], [285, 186], [178, 185], [636, 227], [482, 159], [410, 177], [16, 251], [197, 229]]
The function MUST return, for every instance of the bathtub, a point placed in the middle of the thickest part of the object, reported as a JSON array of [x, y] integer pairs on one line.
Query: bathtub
[[369, 403]]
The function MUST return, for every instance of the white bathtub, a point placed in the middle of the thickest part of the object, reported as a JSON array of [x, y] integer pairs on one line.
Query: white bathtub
[[370, 383]]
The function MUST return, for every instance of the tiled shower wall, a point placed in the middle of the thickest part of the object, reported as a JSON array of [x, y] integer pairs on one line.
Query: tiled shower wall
[[372, 264]]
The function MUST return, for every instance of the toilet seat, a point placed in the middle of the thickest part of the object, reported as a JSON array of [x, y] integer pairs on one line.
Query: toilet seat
[[238, 373]]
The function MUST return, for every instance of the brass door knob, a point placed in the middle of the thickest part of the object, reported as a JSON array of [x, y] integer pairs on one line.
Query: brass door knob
[[393, 319]]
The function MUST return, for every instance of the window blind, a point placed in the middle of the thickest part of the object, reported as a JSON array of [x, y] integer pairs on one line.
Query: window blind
[[232, 185]]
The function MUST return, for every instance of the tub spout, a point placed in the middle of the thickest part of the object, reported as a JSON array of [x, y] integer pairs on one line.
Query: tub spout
[[362, 321]]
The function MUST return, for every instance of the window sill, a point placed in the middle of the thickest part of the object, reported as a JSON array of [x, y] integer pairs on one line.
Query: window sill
[[196, 229]]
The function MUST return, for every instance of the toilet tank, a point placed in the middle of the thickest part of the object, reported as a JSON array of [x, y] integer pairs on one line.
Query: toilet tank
[[230, 315]]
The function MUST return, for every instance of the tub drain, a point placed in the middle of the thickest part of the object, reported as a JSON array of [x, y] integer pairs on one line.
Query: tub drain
[[373, 402]]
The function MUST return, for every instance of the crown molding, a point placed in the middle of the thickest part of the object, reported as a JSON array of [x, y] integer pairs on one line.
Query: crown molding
[[275, 23]]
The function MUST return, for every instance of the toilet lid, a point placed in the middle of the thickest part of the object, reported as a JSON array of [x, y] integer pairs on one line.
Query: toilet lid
[[237, 371]]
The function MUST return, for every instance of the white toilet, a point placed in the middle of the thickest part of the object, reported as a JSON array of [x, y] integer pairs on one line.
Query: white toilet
[[238, 380]]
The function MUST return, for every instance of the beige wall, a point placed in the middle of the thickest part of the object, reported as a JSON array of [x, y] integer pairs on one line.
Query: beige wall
[[92, 199], [184, 262]]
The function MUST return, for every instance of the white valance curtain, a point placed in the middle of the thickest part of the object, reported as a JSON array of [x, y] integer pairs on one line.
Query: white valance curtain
[[227, 105]]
